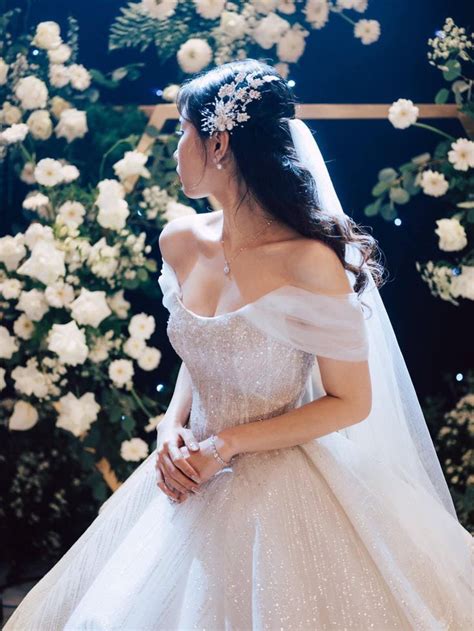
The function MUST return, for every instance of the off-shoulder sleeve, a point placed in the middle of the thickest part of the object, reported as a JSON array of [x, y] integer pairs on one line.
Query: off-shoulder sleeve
[[325, 325], [169, 284]]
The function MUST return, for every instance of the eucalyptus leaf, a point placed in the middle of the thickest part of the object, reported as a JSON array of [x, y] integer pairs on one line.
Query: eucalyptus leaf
[[399, 195], [380, 188], [387, 175], [453, 70], [388, 212], [442, 96], [128, 424]]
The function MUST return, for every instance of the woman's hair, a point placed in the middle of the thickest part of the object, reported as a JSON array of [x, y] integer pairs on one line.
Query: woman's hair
[[267, 161]]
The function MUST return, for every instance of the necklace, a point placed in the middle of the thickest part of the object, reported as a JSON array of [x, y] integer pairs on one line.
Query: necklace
[[227, 266]]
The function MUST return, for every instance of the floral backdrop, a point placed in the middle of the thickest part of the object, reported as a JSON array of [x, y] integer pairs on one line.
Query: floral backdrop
[[80, 343]]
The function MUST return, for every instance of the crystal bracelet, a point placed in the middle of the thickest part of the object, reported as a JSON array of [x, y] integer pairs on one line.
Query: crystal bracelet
[[216, 454]]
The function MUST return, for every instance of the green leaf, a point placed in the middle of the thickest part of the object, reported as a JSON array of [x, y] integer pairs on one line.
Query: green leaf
[[470, 215], [152, 131], [128, 424], [387, 175], [388, 212], [131, 283], [380, 188], [372, 209], [142, 275], [453, 70], [442, 96], [99, 490], [399, 195]]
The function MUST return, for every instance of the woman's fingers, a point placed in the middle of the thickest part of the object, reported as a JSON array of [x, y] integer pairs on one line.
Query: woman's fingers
[[178, 479], [178, 458], [165, 488], [189, 439]]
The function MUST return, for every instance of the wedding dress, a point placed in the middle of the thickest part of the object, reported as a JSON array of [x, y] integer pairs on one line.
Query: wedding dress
[[322, 535]]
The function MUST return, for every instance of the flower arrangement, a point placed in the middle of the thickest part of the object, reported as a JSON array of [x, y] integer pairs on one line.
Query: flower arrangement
[[446, 174], [74, 352], [201, 32]]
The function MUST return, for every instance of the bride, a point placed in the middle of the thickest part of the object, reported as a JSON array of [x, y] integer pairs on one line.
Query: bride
[[294, 484]]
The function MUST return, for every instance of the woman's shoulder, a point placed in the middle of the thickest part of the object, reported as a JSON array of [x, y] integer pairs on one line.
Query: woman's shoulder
[[181, 236]]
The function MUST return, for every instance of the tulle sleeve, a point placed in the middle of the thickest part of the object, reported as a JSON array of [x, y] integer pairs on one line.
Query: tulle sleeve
[[325, 325]]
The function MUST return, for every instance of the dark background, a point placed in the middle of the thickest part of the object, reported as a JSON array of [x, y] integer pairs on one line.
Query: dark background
[[337, 68]]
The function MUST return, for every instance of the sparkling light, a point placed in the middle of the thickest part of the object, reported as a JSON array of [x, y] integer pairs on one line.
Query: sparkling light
[[459, 376], [397, 221], [291, 83], [159, 387]]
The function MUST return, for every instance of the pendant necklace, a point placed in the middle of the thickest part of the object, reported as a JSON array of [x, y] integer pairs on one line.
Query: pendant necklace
[[227, 261]]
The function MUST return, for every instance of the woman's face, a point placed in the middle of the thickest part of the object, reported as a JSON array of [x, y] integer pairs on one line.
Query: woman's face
[[191, 158]]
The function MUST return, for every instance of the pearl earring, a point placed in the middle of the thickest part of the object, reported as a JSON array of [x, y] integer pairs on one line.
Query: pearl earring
[[219, 166]]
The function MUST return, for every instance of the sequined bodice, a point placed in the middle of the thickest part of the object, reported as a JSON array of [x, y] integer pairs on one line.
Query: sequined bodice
[[239, 373]]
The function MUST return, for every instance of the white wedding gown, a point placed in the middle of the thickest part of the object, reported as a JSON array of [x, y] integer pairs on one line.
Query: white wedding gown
[[313, 537]]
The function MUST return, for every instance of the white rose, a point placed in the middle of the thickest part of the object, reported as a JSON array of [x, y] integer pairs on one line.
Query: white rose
[[76, 415], [72, 213], [33, 303], [3, 71], [37, 232], [2, 379], [29, 380], [175, 209], [121, 371], [113, 216], [48, 172], [433, 183], [265, 6], [36, 201], [32, 93], [23, 327], [11, 288], [68, 341], [141, 326], [72, 124], [171, 92], [108, 190], [40, 124], [233, 25], [133, 163], [134, 449], [47, 36], [8, 343], [10, 114], [58, 75], [403, 113], [12, 251], [463, 284], [103, 259], [24, 416], [209, 9], [15, 133], [269, 30], [291, 45], [461, 154], [160, 10], [60, 54], [194, 55], [367, 30], [79, 76], [134, 347], [46, 263], [286, 6], [101, 347], [58, 105], [59, 294], [90, 308], [70, 173], [149, 359], [452, 235], [119, 305]]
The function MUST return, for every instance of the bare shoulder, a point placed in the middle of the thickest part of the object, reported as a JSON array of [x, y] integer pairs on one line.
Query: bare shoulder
[[179, 238], [315, 266]]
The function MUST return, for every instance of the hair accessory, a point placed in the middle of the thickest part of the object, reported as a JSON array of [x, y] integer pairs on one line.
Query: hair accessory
[[229, 110]]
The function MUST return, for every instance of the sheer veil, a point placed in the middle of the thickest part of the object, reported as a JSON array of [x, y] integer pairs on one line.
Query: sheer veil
[[395, 432]]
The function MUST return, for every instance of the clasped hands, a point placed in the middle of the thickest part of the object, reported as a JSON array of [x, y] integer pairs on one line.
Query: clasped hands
[[182, 463]]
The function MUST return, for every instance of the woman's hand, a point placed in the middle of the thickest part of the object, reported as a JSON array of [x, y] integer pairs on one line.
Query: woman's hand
[[203, 461], [175, 474]]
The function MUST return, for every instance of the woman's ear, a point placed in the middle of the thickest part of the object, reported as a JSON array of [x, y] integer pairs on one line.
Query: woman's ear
[[221, 145]]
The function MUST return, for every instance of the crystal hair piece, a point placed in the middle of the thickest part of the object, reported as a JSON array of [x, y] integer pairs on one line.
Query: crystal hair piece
[[229, 110]]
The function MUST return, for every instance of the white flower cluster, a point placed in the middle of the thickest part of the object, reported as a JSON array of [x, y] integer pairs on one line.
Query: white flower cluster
[[448, 283], [258, 22], [459, 421], [450, 40], [157, 201], [28, 108]]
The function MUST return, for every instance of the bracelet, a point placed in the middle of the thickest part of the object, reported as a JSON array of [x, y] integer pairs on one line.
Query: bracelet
[[216, 454]]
